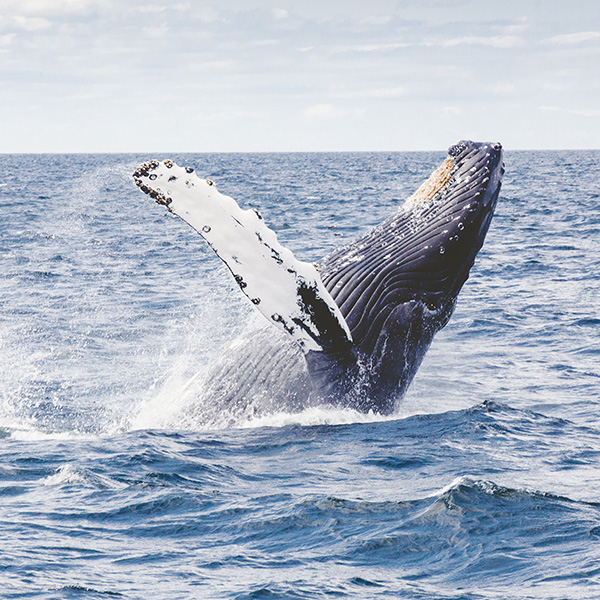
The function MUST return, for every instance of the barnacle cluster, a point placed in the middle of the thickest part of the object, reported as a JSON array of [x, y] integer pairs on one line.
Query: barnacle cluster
[[436, 182], [144, 171]]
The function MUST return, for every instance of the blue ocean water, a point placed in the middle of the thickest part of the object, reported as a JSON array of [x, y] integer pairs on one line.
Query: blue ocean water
[[485, 483]]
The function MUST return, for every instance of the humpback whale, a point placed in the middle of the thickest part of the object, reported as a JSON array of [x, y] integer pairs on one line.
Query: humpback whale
[[351, 330]]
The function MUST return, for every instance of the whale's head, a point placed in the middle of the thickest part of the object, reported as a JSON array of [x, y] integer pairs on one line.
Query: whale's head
[[477, 167], [472, 170], [450, 214]]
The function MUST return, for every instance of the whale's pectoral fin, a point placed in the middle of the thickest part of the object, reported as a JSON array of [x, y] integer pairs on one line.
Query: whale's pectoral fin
[[288, 292]]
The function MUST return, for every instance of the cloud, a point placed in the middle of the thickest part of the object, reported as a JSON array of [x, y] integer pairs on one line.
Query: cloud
[[377, 20], [269, 42], [496, 41], [391, 92], [160, 8], [553, 86], [207, 14], [519, 26], [451, 110], [582, 112], [384, 92], [49, 7], [370, 47], [322, 111], [504, 89], [22, 23], [156, 33], [31, 23], [586, 113], [574, 38], [6, 39], [279, 13], [329, 112]]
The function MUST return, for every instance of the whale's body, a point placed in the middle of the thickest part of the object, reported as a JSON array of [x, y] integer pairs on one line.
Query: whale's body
[[358, 330]]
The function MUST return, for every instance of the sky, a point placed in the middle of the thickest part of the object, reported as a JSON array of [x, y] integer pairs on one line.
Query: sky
[[301, 75]]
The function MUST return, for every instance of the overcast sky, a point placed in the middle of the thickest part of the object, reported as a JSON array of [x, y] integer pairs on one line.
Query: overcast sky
[[261, 75]]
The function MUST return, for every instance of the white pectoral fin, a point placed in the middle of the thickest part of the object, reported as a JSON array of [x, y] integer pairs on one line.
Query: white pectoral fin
[[288, 292]]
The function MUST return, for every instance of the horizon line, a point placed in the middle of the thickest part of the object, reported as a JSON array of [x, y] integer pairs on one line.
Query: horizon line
[[98, 152]]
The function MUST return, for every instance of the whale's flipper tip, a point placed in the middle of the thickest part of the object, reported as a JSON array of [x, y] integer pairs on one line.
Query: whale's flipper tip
[[145, 172]]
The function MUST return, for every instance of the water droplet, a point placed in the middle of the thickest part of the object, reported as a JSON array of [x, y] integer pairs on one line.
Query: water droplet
[[206, 229], [460, 226], [442, 249], [153, 176]]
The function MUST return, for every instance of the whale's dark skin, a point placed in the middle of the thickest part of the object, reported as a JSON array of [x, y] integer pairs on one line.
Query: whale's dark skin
[[396, 286]]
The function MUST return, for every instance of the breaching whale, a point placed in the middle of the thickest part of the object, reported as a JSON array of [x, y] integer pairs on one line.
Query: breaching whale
[[354, 328]]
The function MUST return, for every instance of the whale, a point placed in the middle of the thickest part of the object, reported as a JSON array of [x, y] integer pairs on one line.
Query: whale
[[351, 330]]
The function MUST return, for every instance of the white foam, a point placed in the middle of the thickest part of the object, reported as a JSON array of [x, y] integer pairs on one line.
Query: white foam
[[69, 474], [166, 403], [35, 435], [66, 474], [455, 483], [318, 415]]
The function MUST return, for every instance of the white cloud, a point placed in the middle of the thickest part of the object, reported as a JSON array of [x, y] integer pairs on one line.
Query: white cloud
[[384, 92], [160, 8], [48, 7], [391, 92], [279, 13], [31, 23], [504, 89], [582, 112], [156, 33], [496, 41], [322, 111], [574, 38], [269, 42], [377, 20], [152, 8], [328, 112], [451, 110], [6, 39], [553, 86], [519, 27], [370, 47], [586, 113]]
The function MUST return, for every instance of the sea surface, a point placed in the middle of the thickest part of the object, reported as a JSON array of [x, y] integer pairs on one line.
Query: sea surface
[[485, 482]]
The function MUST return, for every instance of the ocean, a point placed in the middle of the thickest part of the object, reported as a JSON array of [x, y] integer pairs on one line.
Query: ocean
[[484, 483]]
